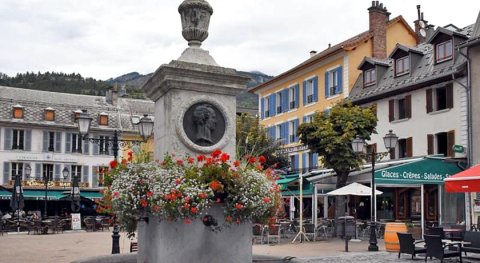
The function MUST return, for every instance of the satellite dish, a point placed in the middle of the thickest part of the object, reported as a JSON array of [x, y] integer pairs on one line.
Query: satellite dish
[[421, 23], [423, 33]]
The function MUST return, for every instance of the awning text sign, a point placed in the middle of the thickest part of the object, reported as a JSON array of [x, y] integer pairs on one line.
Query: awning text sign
[[425, 171]]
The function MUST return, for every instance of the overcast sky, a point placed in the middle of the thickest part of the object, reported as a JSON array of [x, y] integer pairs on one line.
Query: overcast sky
[[108, 38]]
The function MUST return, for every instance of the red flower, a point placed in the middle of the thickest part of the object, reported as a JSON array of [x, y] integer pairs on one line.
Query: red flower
[[252, 160], [188, 221], [224, 157], [178, 181], [191, 160], [209, 161], [216, 153], [262, 159], [215, 185], [149, 194], [201, 158], [187, 199], [259, 167], [180, 162], [266, 200], [202, 195], [113, 164], [193, 210], [143, 203], [156, 208], [236, 163], [238, 206], [228, 218], [124, 161], [130, 153], [116, 194]]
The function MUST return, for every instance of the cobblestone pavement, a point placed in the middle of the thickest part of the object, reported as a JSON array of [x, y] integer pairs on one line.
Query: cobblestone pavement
[[377, 257]]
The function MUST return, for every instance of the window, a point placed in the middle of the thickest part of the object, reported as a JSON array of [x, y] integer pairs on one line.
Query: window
[[309, 91], [402, 148], [17, 112], [103, 119], [402, 66], [267, 107], [51, 141], [103, 145], [76, 114], [291, 131], [278, 129], [308, 119], [333, 83], [278, 101], [16, 168], [47, 172], [293, 96], [443, 51], [76, 171], [399, 109], [439, 98], [441, 143], [49, 114], [369, 77], [76, 143], [18, 140]]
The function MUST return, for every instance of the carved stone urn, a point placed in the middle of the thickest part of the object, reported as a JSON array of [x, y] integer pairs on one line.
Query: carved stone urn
[[195, 21]]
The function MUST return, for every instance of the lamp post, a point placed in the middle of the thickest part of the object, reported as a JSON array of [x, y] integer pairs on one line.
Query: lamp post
[[358, 144], [145, 127], [47, 176], [65, 173]]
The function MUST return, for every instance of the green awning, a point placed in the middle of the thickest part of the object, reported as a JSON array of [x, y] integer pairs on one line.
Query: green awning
[[307, 190], [40, 195], [91, 195], [285, 181], [426, 171], [5, 195]]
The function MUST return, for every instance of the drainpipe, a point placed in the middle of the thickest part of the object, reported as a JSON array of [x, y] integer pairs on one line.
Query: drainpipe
[[469, 125]]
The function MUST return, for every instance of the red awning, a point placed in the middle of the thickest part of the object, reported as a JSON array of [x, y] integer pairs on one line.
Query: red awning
[[466, 181]]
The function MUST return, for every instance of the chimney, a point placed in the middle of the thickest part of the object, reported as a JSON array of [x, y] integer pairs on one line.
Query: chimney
[[420, 26], [378, 18], [313, 53], [111, 96]]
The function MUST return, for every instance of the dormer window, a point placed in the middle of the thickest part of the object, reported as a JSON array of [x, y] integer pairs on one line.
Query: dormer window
[[17, 112], [444, 51], [369, 77], [103, 119], [76, 114], [402, 66], [49, 114]]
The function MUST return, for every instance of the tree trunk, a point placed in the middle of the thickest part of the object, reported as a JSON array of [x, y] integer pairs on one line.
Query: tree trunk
[[340, 204]]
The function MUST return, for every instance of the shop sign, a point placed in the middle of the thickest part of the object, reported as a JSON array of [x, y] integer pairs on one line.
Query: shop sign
[[293, 149], [411, 176], [458, 148], [76, 221]]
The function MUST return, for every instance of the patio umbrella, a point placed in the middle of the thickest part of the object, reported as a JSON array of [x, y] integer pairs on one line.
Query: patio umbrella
[[17, 200], [354, 189], [465, 181]]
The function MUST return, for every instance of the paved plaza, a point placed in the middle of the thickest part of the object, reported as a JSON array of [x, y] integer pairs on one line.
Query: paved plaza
[[67, 247]]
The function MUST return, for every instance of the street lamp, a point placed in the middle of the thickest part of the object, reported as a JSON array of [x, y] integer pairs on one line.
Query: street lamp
[[65, 173], [358, 144], [145, 127]]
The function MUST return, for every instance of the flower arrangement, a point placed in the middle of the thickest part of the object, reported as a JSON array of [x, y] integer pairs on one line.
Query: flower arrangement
[[185, 188]]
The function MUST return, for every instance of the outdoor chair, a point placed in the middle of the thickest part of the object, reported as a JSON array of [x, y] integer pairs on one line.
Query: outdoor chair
[[284, 228], [436, 249], [105, 223], [257, 231], [273, 232], [436, 231], [309, 230], [60, 226], [325, 229], [89, 223], [39, 227], [407, 245]]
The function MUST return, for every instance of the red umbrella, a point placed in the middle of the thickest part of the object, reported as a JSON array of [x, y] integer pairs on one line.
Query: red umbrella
[[465, 181]]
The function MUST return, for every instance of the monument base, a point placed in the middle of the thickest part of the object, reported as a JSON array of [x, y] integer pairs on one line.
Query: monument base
[[177, 242]]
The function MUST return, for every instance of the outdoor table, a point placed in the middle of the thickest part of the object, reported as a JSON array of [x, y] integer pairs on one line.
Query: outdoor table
[[450, 232], [47, 224]]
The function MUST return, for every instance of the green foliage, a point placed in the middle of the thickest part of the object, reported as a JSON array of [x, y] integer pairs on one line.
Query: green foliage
[[252, 140], [330, 136]]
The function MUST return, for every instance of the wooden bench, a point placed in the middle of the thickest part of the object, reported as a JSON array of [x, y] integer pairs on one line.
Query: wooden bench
[[133, 247], [474, 239]]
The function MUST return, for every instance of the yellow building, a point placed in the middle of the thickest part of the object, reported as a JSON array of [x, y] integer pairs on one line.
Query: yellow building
[[292, 97]]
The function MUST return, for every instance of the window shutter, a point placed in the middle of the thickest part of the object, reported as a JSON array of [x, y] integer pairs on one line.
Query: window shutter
[[295, 128], [274, 132], [430, 144], [28, 140], [57, 171], [304, 92], [285, 101], [409, 147], [262, 108], [96, 148], [392, 154], [315, 160], [285, 127], [304, 119], [95, 176], [86, 147], [327, 91], [408, 106], [450, 143], [295, 162], [58, 142], [297, 95], [68, 142], [45, 141], [109, 142], [6, 172], [429, 100], [8, 139], [272, 103], [38, 171], [315, 89], [339, 81], [449, 90], [304, 162], [85, 173], [391, 110]]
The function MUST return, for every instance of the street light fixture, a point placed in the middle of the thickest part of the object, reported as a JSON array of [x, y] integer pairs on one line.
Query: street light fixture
[[145, 128], [358, 144], [65, 173]]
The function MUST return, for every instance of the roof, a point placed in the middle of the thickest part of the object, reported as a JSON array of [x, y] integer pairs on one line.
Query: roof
[[348, 44], [424, 73], [399, 46], [34, 102], [374, 61]]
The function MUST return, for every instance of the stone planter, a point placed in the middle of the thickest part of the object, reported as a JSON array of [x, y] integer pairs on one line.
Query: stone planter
[[177, 242]]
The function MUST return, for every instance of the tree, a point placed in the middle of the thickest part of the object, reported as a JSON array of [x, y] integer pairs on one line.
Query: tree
[[331, 135], [252, 140]]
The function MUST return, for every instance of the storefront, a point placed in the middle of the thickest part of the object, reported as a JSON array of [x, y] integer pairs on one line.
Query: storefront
[[290, 186]]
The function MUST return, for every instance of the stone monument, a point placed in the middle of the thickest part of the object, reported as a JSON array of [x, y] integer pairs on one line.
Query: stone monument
[[195, 111]]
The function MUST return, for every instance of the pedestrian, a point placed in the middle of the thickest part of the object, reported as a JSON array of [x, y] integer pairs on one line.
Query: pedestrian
[[362, 211]]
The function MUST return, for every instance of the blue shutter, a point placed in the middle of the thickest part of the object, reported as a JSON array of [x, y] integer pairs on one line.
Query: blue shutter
[[85, 174], [8, 139], [295, 128], [95, 176], [304, 162], [274, 132], [297, 95], [295, 161], [339, 80], [58, 142], [304, 92], [284, 127], [315, 160], [304, 119], [315, 89], [45, 141], [271, 106], [6, 172], [285, 101], [38, 171], [262, 108], [57, 171], [327, 92], [68, 142], [28, 140]]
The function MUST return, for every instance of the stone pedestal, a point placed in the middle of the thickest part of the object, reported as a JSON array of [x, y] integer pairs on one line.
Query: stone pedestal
[[177, 242]]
